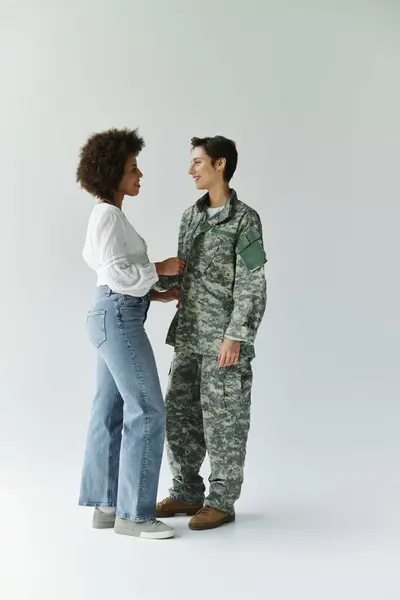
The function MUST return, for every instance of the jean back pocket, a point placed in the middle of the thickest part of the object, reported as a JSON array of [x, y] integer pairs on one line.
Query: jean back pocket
[[96, 327]]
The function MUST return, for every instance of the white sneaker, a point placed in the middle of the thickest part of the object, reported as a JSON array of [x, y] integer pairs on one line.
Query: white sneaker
[[152, 530], [103, 520]]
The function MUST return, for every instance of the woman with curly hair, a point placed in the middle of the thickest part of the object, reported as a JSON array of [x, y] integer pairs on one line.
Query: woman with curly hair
[[126, 432]]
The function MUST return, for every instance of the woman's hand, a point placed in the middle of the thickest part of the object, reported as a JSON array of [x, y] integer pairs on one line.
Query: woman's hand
[[228, 353], [170, 266], [168, 296]]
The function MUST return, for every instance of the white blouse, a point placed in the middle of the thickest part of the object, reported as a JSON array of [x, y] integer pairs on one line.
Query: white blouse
[[117, 253]]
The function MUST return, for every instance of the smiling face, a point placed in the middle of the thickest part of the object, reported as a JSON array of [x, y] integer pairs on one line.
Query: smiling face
[[205, 174], [130, 182]]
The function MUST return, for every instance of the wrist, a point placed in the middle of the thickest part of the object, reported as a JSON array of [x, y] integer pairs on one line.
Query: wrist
[[231, 342], [159, 268]]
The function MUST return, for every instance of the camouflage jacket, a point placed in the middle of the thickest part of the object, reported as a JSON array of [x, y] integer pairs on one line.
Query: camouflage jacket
[[223, 288]]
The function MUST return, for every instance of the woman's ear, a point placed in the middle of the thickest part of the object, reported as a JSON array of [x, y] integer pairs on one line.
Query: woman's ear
[[220, 164]]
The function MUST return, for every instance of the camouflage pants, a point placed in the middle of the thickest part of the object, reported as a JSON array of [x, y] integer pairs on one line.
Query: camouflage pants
[[208, 409]]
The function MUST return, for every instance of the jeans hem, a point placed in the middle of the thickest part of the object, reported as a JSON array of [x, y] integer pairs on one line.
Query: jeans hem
[[98, 504], [128, 517]]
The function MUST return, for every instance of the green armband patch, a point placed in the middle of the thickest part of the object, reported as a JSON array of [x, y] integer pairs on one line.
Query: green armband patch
[[250, 248]]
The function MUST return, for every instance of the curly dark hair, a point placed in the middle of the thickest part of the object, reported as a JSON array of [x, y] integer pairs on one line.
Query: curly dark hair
[[103, 158], [219, 147]]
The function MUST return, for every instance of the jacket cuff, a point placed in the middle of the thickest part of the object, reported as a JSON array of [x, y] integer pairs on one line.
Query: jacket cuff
[[229, 337], [245, 334]]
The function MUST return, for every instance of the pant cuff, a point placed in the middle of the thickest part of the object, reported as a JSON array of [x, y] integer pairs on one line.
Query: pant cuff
[[189, 499]]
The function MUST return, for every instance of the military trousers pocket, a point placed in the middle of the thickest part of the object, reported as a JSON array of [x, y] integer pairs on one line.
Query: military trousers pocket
[[237, 385], [231, 387]]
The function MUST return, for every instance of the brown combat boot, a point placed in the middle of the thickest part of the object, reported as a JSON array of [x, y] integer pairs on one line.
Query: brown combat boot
[[210, 518], [169, 507]]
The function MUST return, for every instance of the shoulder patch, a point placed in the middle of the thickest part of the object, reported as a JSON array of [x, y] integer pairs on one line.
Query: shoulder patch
[[250, 248]]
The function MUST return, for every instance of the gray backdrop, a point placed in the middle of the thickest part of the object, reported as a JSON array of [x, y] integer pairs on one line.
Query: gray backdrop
[[310, 91]]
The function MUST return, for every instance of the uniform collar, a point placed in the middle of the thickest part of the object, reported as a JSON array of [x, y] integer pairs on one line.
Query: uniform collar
[[225, 213]]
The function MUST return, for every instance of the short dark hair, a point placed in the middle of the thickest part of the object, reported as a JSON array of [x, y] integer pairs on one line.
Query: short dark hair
[[219, 147], [103, 158]]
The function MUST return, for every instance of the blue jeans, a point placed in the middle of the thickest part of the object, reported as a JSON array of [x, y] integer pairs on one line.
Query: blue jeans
[[127, 426]]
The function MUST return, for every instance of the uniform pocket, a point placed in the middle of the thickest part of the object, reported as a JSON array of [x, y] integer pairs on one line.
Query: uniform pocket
[[208, 256], [96, 327], [221, 259], [232, 382], [237, 385]]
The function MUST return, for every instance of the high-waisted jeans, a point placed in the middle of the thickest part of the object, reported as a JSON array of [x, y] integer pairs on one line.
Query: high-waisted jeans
[[126, 432]]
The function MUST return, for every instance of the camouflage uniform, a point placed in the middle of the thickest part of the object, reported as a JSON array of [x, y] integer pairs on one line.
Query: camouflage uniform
[[223, 294]]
